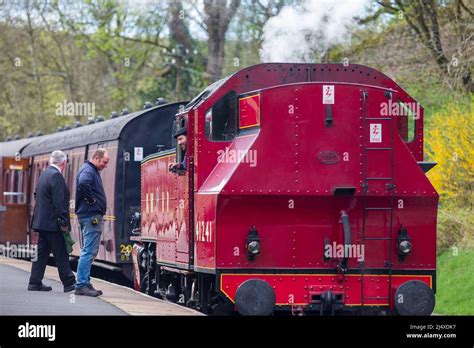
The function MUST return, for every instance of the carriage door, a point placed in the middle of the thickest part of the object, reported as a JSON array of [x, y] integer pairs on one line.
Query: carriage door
[[378, 191], [183, 215], [106, 248], [13, 200]]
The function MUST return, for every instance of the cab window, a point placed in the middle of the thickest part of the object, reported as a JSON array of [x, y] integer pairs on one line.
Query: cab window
[[221, 119], [406, 121]]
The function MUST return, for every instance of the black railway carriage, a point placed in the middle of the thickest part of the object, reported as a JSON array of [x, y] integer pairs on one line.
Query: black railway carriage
[[128, 139]]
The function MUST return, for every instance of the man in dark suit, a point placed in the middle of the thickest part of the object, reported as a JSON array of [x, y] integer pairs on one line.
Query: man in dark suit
[[51, 220]]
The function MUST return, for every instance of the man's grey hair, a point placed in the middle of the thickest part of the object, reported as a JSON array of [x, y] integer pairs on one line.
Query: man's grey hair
[[57, 157]]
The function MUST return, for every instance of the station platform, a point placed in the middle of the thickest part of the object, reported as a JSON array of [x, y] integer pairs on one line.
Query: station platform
[[15, 299]]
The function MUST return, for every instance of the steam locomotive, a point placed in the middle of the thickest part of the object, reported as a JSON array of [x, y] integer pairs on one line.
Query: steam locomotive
[[305, 191]]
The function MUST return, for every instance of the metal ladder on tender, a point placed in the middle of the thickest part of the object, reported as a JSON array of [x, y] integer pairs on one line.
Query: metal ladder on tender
[[389, 185]]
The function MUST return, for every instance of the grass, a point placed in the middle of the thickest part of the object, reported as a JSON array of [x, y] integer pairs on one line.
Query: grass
[[455, 283]]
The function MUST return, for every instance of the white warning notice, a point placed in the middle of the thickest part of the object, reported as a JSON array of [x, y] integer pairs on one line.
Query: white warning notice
[[375, 132], [328, 94], [138, 156]]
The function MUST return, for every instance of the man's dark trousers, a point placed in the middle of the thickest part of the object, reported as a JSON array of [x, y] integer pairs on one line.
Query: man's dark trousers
[[52, 242]]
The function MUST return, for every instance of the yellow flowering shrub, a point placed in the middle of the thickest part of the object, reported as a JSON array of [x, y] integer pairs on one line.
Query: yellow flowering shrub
[[450, 142]]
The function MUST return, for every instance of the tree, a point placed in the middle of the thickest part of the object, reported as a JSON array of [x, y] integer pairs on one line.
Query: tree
[[426, 19], [245, 33], [218, 14]]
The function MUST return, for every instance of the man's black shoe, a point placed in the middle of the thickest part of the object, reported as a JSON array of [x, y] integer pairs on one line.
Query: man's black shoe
[[33, 287], [86, 291], [69, 288]]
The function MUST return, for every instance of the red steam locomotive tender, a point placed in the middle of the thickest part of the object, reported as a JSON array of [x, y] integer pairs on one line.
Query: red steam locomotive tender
[[304, 190]]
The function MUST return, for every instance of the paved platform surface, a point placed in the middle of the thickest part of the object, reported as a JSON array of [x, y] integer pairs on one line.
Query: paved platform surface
[[15, 299]]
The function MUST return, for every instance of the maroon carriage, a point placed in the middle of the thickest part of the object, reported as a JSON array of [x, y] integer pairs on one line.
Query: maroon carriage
[[305, 190], [14, 191]]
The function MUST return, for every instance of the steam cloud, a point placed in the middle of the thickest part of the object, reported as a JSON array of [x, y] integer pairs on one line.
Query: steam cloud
[[304, 33]]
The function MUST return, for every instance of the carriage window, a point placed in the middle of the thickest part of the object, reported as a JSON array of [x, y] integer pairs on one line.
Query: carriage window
[[69, 174], [15, 187], [407, 114], [220, 120]]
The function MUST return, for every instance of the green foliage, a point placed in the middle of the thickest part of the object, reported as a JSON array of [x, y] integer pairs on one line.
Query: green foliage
[[455, 227], [455, 283], [102, 53], [151, 88]]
